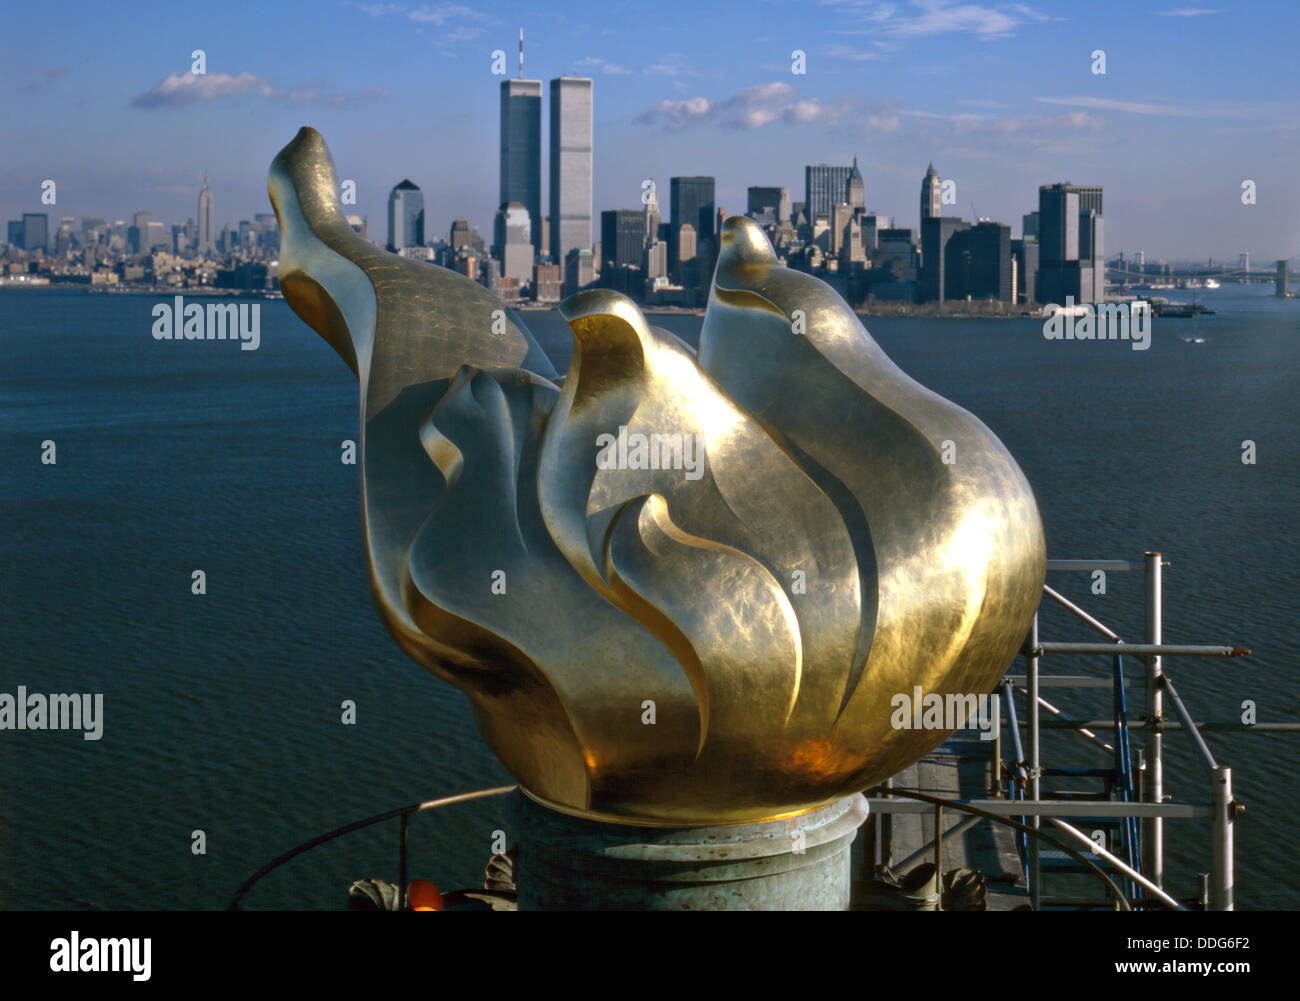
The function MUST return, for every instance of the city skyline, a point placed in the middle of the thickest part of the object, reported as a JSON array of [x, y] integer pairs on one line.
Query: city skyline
[[1172, 145]]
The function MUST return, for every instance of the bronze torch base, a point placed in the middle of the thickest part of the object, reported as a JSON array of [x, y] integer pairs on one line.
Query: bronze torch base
[[799, 863]]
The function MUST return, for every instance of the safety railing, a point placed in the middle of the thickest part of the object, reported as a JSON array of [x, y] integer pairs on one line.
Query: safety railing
[[401, 815]]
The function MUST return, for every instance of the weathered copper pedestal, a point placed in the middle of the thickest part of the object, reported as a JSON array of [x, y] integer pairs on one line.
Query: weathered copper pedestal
[[797, 864]]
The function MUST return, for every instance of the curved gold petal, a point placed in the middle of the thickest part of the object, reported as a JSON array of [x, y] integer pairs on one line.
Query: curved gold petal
[[505, 603], [740, 652], [955, 539], [394, 321], [626, 383]]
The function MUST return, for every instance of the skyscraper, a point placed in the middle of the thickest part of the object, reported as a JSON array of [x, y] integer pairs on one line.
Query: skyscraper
[[521, 150], [1071, 258], [206, 218], [985, 261], [764, 202], [651, 215], [692, 205], [940, 261], [1025, 253], [1091, 251], [36, 231], [841, 216], [931, 201], [824, 188], [1058, 224], [139, 232], [857, 190], [405, 216], [622, 236], [514, 246], [571, 117]]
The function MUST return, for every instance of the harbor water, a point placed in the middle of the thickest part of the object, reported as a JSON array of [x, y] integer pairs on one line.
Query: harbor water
[[223, 711]]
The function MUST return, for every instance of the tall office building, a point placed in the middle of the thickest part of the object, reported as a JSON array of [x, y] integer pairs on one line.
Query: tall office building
[[1058, 224], [686, 243], [1029, 225], [1071, 255], [841, 215], [1025, 253], [692, 205], [931, 201], [579, 270], [622, 237], [824, 188], [940, 260], [206, 221], [768, 205], [139, 232], [985, 261], [405, 216], [514, 245], [571, 128], [36, 231], [521, 150], [651, 218], [459, 237], [1092, 252], [896, 252], [856, 195]]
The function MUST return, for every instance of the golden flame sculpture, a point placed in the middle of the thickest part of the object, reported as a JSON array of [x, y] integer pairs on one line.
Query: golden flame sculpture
[[644, 640]]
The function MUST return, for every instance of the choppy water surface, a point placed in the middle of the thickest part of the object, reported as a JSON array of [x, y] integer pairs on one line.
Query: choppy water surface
[[222, 711]]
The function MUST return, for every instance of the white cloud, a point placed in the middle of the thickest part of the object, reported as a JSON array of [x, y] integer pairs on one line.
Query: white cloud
[[604, 65], [923, 18], [762, 105], [462, 23], [671, 65], [179, 89], [1238, 110]]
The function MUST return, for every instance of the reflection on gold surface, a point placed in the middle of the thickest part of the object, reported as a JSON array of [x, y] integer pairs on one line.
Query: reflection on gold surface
[[647, 644]]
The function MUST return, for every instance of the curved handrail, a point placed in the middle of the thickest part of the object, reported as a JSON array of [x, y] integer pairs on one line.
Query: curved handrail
[[356, 825], [949, 804], [432, 804]]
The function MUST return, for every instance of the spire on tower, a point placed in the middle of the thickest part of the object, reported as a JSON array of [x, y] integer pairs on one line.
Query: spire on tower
[[521, 53]]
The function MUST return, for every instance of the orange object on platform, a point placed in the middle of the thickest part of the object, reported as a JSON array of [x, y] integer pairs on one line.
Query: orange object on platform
[[423, 896]]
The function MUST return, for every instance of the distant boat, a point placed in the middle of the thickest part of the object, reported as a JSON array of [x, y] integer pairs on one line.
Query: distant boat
[[1211, 283]]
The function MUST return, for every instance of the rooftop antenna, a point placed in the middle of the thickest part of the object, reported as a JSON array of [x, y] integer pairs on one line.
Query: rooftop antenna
[[521, 53]]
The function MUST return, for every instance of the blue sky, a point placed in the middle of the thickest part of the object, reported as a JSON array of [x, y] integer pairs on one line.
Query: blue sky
[[1198, 96]]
